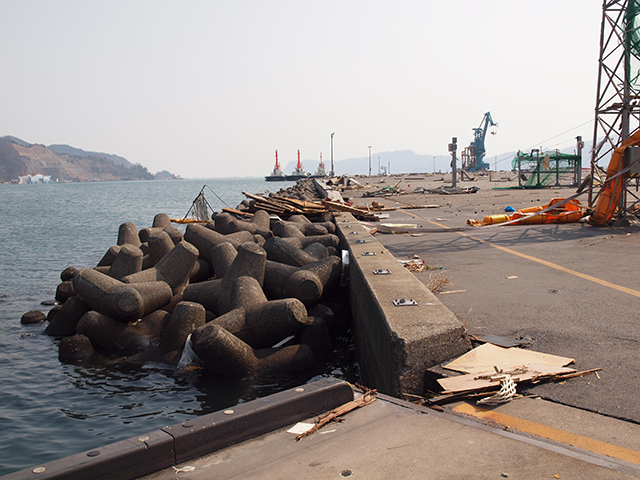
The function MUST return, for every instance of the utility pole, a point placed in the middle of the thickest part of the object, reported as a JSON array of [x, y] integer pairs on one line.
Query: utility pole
[[453, 146], [332, 172], [369, 160]]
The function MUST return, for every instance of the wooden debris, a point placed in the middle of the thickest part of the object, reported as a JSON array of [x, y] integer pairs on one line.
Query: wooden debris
[[482, 391], [368, 397], [237, 212], [357, 212], [438, 283]]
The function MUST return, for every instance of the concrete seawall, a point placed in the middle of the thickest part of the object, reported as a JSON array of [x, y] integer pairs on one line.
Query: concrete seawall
[[395, 344]]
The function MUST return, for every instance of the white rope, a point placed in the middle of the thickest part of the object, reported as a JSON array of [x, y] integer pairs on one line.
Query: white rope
[[506, 393]]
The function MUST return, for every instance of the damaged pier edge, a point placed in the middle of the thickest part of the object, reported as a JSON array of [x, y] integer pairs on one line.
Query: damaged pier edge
[[395, 344]]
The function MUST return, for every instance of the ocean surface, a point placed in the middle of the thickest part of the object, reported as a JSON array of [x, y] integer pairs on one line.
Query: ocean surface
[[50, 409]]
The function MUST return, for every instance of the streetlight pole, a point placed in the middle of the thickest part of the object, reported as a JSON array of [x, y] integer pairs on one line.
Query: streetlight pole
[[332, 174], [369, 160]]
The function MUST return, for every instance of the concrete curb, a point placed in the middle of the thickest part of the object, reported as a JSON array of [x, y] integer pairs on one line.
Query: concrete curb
[[160, 449], [395, 344]]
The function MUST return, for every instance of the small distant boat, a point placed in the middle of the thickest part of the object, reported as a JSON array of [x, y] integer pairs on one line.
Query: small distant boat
[[277, 175]]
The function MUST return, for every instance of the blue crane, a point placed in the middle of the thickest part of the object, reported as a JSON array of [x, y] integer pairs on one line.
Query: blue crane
[[473, 155]]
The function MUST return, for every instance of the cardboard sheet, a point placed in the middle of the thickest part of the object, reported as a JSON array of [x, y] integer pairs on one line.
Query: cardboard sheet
[[485, 357]]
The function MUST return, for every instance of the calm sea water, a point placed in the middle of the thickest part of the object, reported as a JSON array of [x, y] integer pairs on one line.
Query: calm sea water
[[50, 409]]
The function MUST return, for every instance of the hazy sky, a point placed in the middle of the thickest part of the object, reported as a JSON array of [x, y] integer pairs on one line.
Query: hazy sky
[[212, 88]]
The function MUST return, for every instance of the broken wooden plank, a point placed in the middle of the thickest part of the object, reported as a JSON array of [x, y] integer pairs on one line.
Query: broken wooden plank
[[237, 212], [475, 381], [367, 398]]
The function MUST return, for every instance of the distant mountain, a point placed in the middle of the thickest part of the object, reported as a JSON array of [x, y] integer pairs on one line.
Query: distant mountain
[[77, 152], [64, 163]]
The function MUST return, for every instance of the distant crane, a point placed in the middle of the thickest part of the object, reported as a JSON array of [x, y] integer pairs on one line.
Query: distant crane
[[473, 155]]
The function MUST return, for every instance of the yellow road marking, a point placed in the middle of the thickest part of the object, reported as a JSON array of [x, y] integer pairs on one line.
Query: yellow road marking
[[550, 433], [584, 276]]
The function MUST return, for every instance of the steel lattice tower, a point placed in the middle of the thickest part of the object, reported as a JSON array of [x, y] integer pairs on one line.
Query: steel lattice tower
[[617, 113]]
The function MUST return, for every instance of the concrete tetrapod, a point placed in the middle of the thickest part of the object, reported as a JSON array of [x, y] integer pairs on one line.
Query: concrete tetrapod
[[328, 240], [75, 347], [225, 354], [160, 244], [302, 219], [120, 301], [161, 222], [186, 317], [128, 260], [64, 323], [175, 268], [107, 334], [109, 256], [222, 257], [282, 228], [204, 239], [128, 234], [260, 322], [305, 283], [64, 291], [226, 223], [215, 295], [283, 251]]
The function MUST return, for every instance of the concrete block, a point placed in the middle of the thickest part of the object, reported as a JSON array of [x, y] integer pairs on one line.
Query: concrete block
[[396, 345]]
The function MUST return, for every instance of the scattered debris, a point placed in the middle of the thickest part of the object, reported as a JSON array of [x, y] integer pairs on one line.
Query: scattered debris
[[439, 283], [558, 210], [447, 190], [491, 368], [188, 468], [333, 416], [500, 341]]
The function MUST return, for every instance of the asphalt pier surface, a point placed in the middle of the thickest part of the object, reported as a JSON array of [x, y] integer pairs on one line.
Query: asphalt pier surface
[[570, 289], [390, 438]]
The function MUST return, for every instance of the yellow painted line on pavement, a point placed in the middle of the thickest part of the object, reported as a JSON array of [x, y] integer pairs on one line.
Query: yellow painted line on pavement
[[551, 433], [584, 276]]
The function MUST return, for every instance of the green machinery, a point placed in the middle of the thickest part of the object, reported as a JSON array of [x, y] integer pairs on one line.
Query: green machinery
[[540, 169]]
